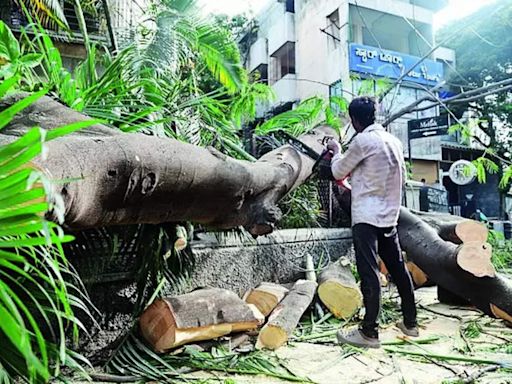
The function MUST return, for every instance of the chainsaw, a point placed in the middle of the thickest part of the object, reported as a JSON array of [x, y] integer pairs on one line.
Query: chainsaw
[[322, 165]]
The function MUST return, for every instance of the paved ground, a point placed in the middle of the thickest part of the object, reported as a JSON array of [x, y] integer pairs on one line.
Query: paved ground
[[329, 364]]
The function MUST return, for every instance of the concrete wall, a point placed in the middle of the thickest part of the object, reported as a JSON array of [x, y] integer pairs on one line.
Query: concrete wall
[[280, 257]]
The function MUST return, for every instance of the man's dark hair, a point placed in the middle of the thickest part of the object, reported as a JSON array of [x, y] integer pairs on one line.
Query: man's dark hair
[[362, 109]]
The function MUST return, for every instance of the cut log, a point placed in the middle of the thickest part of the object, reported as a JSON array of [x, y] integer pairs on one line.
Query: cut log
[[284, 319], [266, 297], [464, 270], [454, 228], [339, 291], [419, 278], [200, 315], [181, 238]]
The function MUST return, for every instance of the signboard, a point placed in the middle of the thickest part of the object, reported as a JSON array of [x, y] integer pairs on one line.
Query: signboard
[[462, 172], [390, 64], [430, 126], [433, 200]]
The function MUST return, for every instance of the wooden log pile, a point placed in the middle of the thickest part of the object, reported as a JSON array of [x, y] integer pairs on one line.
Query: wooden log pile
[[207, 314]]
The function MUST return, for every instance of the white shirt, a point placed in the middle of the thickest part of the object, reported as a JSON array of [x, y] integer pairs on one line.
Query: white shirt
[[376, 163]]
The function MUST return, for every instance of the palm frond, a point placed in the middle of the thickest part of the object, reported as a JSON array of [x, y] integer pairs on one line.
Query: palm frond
[[134, 358], [38, 290], [303, 118], [48, 12]]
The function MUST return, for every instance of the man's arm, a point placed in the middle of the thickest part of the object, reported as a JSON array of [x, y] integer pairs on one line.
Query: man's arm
[[344, 163]]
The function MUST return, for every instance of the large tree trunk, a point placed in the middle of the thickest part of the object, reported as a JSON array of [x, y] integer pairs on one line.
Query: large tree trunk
[[109, 178], [465, 270]]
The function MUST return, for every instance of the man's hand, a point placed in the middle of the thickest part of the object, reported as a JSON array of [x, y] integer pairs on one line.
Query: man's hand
[[333, 146]]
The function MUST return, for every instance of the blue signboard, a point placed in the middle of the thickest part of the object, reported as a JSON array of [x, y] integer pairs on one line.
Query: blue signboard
[[390, 64]]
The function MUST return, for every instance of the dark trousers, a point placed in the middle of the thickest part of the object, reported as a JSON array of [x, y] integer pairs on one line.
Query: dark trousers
[[368, 242]]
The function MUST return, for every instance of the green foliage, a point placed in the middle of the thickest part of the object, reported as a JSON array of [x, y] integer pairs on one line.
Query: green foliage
[[12, 59], [38, 289], [306, 115], [483, 166], [136, 359], [483, 42], [472, 330], [301, 208], [501, 251]]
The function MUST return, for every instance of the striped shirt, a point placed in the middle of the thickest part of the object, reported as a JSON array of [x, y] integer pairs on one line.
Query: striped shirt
[[376, 163]]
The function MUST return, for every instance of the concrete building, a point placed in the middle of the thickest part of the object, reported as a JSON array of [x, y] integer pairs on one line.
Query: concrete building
[[124, 15], [305, 48]]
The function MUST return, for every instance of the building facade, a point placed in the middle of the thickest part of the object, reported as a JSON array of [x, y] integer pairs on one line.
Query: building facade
[[305, 48]]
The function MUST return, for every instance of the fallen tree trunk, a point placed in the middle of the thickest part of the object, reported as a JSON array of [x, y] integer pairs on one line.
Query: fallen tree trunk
[[464, 270], [110, 178], [456, 229], [200, 315], [284, 319], [338, 290], [266, 297]]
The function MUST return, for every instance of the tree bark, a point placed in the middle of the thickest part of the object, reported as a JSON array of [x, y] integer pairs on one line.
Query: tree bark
[[455, 229], [200, 315], [338, 290], [286, 316], [109, 178], [442, 260]]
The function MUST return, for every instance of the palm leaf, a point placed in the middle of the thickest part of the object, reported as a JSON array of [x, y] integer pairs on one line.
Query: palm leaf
[[37, 294]]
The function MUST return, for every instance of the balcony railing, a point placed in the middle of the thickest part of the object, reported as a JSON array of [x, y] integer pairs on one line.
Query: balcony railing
[[16, 19]]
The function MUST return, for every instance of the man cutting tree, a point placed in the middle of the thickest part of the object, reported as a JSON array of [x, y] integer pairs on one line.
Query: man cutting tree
[[376, 164]]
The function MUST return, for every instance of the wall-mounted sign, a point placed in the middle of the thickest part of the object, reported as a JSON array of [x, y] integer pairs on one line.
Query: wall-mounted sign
[[462, 172], [433, 200], [430, 126], [381, 62]]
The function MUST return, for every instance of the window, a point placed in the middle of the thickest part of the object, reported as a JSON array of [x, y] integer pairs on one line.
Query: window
[[260, 74], [333, 30], [290, 6], [283, 61]]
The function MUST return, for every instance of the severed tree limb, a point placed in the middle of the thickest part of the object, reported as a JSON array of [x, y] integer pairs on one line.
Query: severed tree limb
[[108, 178], [286, 315], [461, 270], [455, 229]]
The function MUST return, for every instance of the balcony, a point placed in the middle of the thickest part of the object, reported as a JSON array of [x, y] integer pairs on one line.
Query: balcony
[[286, 89], [258, 54], [282, 31], [13, 15]]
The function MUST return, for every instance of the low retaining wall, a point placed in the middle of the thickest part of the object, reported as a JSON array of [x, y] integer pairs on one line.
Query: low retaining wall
[[239, 264]]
